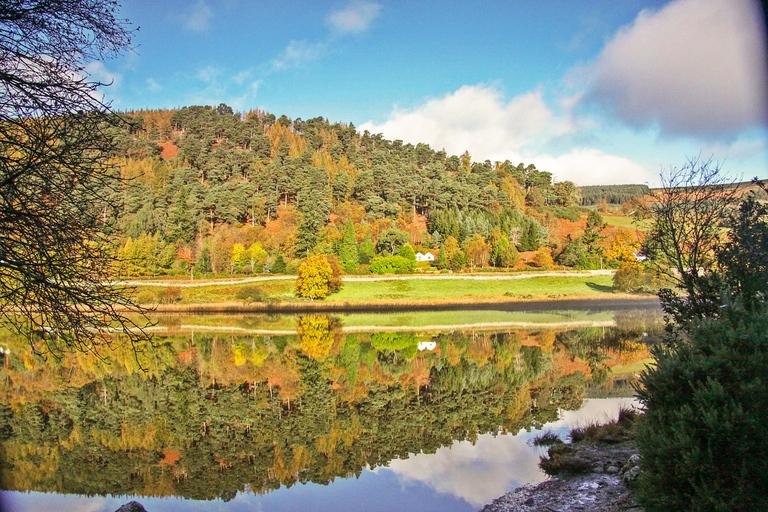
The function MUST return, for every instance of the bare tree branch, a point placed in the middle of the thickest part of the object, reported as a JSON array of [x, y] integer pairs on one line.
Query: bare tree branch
[[56, 178]]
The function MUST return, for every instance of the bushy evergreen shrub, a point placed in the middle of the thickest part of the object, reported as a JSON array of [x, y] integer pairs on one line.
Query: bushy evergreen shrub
[[703, 437]]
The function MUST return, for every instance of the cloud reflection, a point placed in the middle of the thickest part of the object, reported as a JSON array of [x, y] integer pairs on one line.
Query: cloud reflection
[[495, 464]]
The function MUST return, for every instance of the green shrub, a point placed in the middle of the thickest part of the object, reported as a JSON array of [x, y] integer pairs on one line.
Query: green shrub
[[250, 293], [703, 436], [629, 277], [169, 295], [392, 265]]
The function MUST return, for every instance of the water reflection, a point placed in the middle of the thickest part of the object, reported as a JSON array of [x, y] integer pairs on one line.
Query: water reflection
[[213, 416]]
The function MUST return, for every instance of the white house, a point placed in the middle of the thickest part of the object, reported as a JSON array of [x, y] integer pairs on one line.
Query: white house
[[425, 257]]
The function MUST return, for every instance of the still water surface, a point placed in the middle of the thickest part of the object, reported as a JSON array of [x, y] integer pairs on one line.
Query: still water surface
[[318, 413]]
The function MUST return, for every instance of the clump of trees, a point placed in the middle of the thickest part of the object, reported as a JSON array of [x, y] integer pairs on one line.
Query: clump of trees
[[702, 438]]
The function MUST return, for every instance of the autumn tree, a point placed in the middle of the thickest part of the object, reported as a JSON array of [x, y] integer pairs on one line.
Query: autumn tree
[[58, 188], [315, 277], [543, 258], [477, 251], [239, 256], [315, 335]]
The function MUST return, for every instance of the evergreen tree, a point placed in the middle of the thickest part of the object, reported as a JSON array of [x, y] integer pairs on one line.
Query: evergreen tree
[[530, 240], [279, 267], [592, 234], [348, 252], [442, 260], [367, 252]]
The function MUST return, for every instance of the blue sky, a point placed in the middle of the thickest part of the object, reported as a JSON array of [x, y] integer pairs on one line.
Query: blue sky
[[604, 92]]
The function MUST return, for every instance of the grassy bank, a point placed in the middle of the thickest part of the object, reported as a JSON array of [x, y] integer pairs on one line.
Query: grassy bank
[[398, 290]]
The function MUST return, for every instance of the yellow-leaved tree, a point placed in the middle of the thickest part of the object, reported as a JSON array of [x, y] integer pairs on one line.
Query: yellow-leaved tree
[[315, 335], [316, 277]]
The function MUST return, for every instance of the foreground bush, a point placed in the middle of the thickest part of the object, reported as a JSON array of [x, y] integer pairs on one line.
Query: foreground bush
[[703, 436]]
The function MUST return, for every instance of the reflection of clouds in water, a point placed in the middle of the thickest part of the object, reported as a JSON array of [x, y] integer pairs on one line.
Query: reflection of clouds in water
[[495, 465], [476, 473], [13, 501], [17, 501]]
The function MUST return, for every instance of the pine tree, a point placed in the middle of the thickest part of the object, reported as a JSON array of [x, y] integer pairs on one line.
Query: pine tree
[[348, 249], [367, 252], [442, 260]]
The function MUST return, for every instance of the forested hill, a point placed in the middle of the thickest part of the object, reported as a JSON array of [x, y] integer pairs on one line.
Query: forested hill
[[206, 184]]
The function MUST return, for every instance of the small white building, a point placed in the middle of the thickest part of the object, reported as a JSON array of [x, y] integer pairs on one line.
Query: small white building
[[425, 257]]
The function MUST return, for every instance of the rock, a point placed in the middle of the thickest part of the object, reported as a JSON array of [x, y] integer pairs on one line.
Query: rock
[[599, 489], [132, 506]]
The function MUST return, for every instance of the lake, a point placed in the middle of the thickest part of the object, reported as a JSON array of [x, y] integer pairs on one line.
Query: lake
[[403, 411]]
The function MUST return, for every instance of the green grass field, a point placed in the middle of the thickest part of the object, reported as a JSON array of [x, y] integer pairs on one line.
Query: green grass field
[[442, 289], [626, 222], [394, 290]]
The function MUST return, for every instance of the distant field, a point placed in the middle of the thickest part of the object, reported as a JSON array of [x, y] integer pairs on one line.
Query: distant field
[[625, 222], [398, 289], [417, 289]]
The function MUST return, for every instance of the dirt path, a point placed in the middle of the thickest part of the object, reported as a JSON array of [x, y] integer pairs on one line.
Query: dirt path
[[477, 277]]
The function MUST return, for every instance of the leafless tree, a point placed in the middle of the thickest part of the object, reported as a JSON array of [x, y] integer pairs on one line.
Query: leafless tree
[[690, 213], [56, 181]]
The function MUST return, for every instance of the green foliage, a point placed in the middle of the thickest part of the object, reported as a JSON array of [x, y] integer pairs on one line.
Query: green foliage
[[508, 256], [279, 267], [629, 277], [348, 252], [531, 237], [367, 251], [407, 252], [615, 194], [392, 265], [593, 233], [393, 341], [570, 213], [458, 261], [442, 260], [250, 293], [703, 437], [390, 240]]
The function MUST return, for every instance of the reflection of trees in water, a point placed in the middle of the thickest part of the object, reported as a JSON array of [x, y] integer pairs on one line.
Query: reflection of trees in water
[[623, 344], [218, 412]]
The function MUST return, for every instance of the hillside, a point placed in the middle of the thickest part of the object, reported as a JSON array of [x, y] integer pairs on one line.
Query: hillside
[[220, 191]]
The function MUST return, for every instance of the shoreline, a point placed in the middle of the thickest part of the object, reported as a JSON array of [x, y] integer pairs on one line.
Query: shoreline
[[589, 302]]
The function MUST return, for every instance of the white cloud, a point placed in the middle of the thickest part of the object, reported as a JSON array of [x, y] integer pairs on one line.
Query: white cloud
[[153, 85], [199, 17], [588, 166], [96, 71], [476, 119], [742, 148], [208, 74], [296, 53], [355, 18], [694, 68]]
